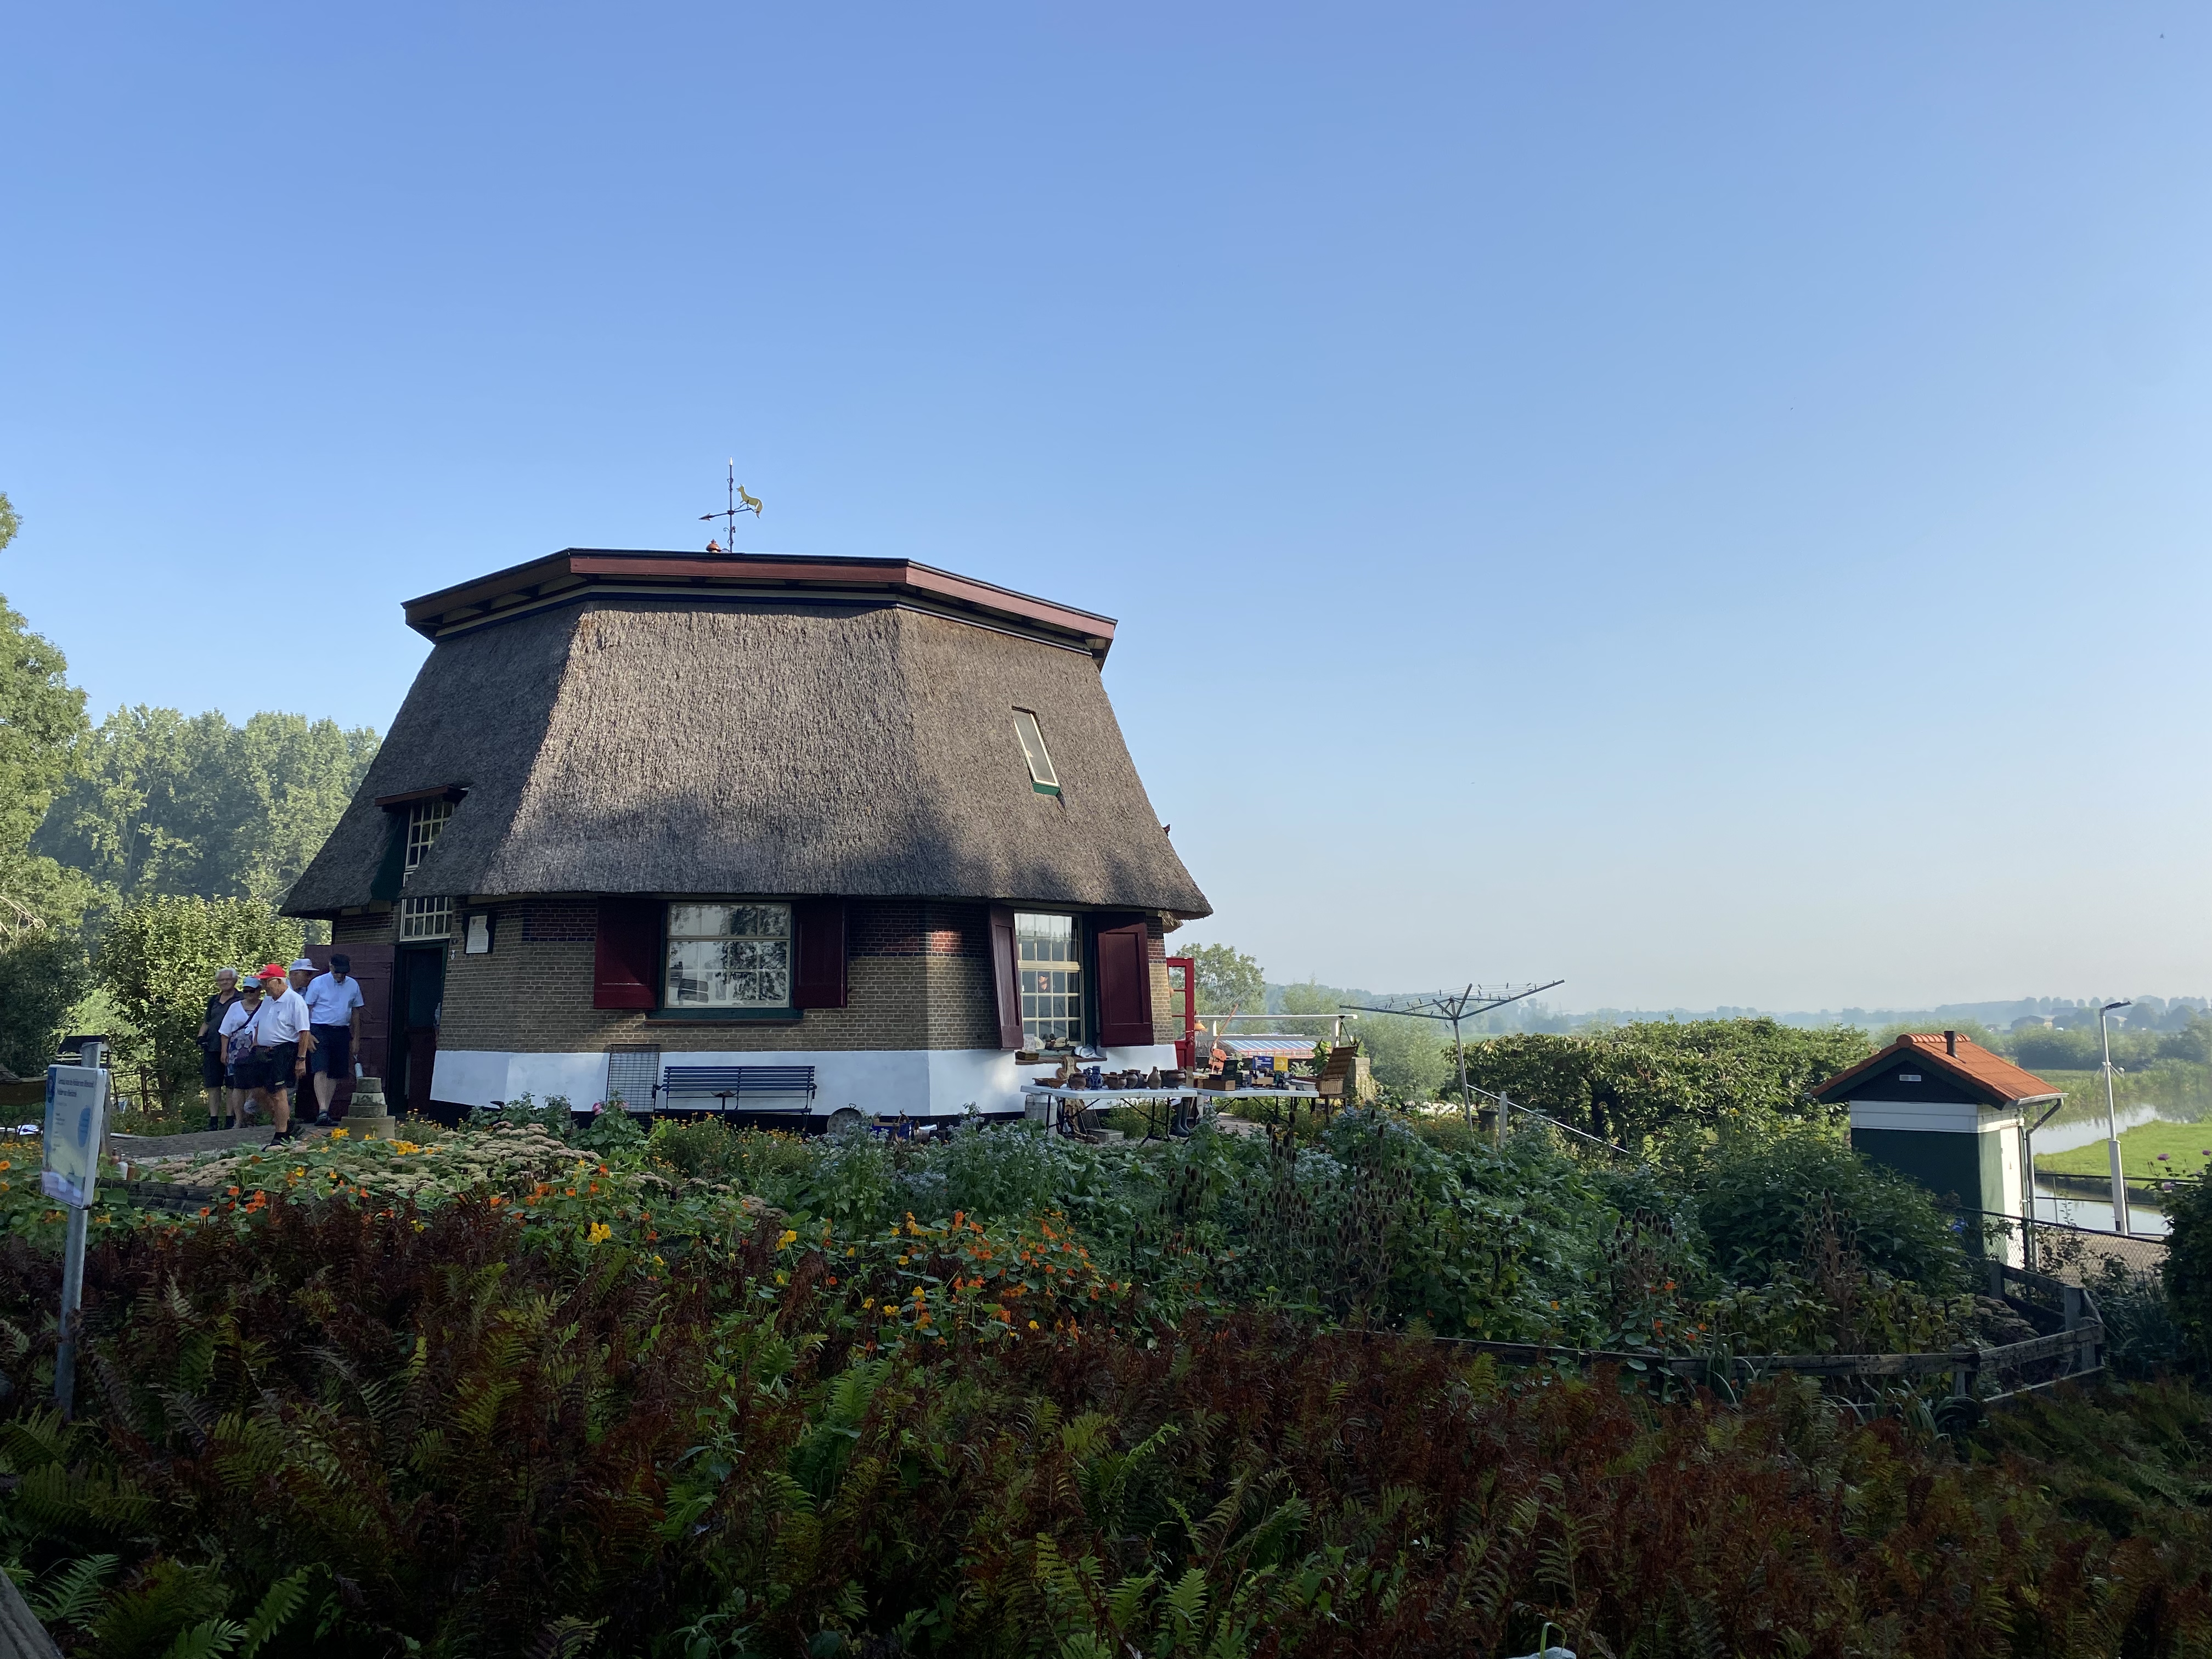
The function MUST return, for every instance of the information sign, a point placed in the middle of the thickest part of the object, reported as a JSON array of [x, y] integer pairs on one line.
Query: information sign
[[77, 1125]]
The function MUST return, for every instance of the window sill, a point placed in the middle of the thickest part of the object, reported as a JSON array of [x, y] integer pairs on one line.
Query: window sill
[[724, 1016]]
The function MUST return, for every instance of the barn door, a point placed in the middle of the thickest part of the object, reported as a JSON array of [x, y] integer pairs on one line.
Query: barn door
[[372, 966]]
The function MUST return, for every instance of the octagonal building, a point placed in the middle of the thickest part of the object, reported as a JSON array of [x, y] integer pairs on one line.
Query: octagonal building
[[831, 832]]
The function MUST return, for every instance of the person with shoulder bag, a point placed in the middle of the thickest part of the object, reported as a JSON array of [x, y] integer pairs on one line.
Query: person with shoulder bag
[[242, 1071]]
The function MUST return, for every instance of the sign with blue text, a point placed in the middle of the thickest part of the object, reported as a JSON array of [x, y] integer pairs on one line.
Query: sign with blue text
[[77, 1124]]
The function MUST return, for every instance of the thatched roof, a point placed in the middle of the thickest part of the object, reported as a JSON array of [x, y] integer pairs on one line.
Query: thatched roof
[[729, 741]]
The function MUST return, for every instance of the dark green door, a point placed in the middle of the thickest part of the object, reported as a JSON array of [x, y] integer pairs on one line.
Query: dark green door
[[416, 1000]]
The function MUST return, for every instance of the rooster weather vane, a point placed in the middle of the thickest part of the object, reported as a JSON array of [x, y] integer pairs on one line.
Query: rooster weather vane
[[739, 501]]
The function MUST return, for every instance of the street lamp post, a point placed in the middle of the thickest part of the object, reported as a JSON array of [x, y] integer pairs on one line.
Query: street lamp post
[[2112, 1125]]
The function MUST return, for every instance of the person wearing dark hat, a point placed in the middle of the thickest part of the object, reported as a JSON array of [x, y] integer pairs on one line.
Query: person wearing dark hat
[[334, 1003]]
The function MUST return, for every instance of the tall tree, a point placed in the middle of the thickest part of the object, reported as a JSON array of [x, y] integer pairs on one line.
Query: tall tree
[[158, 960], [42, 961], [171, 804], [1226, 981]]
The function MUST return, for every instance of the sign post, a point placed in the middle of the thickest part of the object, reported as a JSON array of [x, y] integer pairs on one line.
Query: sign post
[[77, 1128]]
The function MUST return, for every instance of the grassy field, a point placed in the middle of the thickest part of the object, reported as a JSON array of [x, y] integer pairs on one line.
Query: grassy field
[[2154, 1151]]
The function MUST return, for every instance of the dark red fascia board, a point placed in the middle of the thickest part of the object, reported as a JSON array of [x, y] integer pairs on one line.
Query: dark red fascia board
[[580, 567]]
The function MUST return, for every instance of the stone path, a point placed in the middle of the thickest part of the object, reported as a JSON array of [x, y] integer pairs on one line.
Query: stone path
[[146, 1149]]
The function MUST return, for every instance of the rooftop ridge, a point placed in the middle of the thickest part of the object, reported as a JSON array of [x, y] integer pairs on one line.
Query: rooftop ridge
[[790, 577]]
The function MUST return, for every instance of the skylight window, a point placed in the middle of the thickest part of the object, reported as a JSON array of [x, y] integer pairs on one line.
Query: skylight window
[[1042, 778]]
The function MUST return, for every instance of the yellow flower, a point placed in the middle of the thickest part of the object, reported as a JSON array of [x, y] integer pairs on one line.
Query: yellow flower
[[789, 1238], [340, 1134], [598, 1234], [1033, 1324]]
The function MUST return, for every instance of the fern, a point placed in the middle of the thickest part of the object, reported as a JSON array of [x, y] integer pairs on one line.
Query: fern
[[74, 1594], [211, 1639], [566, 1637], [277, 1604]]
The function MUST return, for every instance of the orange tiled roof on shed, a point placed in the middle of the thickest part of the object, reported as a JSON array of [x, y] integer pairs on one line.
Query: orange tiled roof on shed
[[1968, 1062]]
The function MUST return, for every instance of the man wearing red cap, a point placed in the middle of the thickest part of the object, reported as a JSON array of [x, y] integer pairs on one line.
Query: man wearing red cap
[[281, 1038]]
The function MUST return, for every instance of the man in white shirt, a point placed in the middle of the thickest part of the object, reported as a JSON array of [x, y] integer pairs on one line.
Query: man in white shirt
[[334, 1002], [281, 1034]]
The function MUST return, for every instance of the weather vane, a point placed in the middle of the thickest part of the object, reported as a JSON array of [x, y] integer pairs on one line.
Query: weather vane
[[740, 501]]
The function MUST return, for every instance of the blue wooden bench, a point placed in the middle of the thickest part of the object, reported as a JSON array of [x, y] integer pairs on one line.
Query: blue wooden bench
[[737, 1086]]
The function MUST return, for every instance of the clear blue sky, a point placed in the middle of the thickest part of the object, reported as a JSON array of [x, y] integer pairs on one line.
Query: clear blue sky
[[1709, 501]]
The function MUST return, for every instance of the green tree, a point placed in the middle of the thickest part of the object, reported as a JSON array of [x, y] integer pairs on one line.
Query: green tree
[[42, 905], [43, 974], [158, 960], [1632, 1079], [1405, 1056], [168, 803], [1317, 1002], [1226, 981]]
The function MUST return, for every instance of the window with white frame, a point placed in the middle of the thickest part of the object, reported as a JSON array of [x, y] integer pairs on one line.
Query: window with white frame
[[728, 956], [1051, 978], [425, 819], [425, 919], [1042, 778]]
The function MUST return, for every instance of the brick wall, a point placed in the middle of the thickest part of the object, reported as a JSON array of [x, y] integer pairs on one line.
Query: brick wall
[[375, 929], [1167, 1003], [918, 977]]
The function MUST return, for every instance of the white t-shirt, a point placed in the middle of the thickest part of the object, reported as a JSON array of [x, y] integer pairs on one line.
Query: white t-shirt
[[331, 1001], [235, 1015], [283, 1017]]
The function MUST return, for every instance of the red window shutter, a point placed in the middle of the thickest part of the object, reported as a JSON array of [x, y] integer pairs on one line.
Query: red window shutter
[[626, 954], [1004, 970], [820, 981], [1125, 986]]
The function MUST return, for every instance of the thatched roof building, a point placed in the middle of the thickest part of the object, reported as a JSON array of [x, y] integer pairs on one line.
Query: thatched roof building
[[599, 727]]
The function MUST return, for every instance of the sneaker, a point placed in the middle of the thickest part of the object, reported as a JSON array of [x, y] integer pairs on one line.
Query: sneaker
[[322, 1119], [214, 1123], [281, 1137]]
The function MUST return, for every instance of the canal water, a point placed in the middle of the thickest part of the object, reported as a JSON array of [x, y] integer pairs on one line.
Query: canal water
[[2072, 1205]]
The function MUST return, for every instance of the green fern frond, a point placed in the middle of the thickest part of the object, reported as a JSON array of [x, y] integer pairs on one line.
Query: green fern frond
[[74, 1593]]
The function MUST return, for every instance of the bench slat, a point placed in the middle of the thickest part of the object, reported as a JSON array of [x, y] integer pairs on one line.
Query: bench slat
[[726, 1082]]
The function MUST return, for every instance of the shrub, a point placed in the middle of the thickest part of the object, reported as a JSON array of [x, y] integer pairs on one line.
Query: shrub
[[454, 1441], [1754, 1191], [2188, 1270], [158, 960]]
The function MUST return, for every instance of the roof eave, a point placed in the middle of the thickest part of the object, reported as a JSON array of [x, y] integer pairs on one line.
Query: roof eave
[[574, 570]]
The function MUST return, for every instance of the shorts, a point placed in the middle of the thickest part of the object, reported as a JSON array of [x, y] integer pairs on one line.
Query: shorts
[[264, 1068], [212, 1074], [333, 1051]]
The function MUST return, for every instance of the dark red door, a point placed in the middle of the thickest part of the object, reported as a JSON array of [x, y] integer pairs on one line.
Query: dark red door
[[372, 966]]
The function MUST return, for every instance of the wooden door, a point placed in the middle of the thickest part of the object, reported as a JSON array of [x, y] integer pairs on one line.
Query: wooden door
[[373, 967]]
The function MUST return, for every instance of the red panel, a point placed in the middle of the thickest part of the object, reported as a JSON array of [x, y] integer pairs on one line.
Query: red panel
[[1003, 978], [820, 981], [626, 954], [372, 966], [1125, 986]]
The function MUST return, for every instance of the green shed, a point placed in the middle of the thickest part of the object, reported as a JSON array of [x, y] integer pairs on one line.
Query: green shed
[[1943, 1109]]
